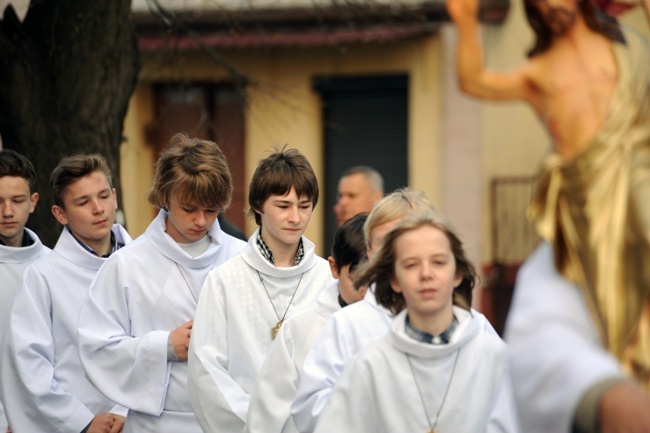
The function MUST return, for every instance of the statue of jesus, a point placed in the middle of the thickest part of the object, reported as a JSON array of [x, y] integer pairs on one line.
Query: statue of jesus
[[588, 79]]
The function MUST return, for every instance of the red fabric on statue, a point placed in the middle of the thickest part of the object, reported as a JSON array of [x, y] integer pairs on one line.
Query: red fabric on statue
[[613, 7]]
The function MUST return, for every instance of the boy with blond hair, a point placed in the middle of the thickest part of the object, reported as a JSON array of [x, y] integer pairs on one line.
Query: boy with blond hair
[[136, 322]]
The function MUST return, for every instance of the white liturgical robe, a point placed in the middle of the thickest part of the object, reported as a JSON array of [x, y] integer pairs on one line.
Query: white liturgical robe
[[556, 352], [232, 330], [398, 384], [13, 262], [41, 379], [270, 407], [142, 294], [343, 336]]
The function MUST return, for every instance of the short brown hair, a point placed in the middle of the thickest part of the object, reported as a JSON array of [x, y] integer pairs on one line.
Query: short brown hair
[[276, 175], [72, 168], [13, 163], [381, 269], [195, 168]]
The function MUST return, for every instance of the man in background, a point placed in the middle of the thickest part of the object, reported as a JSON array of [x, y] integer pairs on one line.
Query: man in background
[[360, 187]]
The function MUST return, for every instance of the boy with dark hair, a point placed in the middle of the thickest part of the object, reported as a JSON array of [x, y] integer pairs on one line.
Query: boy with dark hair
[[244, 302], [270, 408], [42, 382], [19, 246], [16, 198], [136, 322]]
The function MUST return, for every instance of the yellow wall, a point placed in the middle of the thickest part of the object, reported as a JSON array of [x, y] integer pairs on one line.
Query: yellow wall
[[283, 108], [137, 162]]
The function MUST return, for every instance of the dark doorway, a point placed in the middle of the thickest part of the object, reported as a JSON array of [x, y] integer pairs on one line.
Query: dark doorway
[[365, 123]]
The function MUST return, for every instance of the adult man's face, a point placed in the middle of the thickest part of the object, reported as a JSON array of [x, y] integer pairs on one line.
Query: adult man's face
[[356, 195]]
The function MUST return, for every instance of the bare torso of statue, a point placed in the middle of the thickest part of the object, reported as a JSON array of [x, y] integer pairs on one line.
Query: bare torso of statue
[[571, 88], [569, 83]]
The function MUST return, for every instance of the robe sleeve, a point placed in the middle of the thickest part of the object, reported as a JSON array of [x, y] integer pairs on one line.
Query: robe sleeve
[[321, 370], [351, 406], [131, 371], [556, 354], [119, 410], [219, 402], [33, 399], [270, 407]]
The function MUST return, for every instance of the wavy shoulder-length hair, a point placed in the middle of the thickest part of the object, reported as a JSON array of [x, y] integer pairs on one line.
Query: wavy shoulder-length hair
[[381, 270]]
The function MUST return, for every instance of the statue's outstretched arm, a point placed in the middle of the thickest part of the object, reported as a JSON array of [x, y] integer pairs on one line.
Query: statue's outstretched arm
[[473, 78]]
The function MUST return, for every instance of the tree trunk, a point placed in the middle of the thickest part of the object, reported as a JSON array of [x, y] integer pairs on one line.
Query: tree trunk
[[66, 75]]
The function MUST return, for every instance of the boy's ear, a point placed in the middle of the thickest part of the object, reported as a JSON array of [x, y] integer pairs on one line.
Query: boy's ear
[[59, 214], [395, 285], [34, 199], [114, 199], [333, 268]]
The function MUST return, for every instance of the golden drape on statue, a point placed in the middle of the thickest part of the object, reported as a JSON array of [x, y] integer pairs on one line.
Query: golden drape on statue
[[595, 211]]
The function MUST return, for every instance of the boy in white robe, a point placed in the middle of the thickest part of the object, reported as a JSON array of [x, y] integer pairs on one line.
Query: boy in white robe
[[19, 246], [136, 322], [270, 407], [244, 302], [41, 379], [440, 368], [352, 328]]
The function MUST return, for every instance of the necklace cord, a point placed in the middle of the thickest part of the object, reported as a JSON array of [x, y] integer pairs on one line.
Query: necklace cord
[[280, 320], [444, 397], [187, 283]]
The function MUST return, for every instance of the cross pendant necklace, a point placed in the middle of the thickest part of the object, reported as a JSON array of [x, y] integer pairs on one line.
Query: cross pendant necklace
[[276, 328], [432, 426]]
